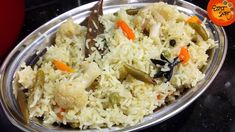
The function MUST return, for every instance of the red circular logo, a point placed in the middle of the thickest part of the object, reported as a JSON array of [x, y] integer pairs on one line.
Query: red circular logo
[[221, 12]]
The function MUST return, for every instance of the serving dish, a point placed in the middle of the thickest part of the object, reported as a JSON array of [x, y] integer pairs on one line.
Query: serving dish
[[35, 43]]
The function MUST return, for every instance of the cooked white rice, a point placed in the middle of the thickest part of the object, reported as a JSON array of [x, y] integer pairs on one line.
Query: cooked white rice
[[138, 99]]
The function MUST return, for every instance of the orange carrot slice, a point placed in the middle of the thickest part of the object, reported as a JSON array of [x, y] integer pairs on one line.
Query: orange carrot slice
[[59, 115], [184, 55], [194, 19], [158, 97], [62, 66], [126, 29]]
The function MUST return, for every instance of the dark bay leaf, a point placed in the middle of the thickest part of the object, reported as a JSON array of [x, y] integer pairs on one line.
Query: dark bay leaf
[[94, 28]]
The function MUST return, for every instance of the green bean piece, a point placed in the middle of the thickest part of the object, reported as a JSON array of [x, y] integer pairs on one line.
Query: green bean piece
[[200, 30], [22, 101], [138, 74], [40, 78]]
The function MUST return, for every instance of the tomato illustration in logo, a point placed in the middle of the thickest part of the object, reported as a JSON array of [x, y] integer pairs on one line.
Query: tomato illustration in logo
[[221, 12]]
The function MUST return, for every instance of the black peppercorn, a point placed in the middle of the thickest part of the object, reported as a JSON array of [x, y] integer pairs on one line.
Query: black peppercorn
[[172, 42]]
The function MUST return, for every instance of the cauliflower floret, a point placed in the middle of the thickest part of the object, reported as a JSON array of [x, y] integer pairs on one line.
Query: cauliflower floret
[[73, 94], [26, 76], [69, 95], [91, 72], [68, 28], [68, 31]]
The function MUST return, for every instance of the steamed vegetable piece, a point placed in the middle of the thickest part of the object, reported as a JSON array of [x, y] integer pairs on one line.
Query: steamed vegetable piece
[[184, 55], [154, 30], [73, 94], [132, 11], [122, 73], [126, 29], [21, 97], [40, 79], [70, 95], [94, 28], [195, 23], [200, 30], [62, 66], [91, 72], [59, 114], [22, 101], [138, 74], [194, 19], [38, 84], [68, 29]]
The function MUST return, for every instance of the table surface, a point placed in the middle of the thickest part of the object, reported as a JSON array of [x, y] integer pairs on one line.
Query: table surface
[[213, 111]]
